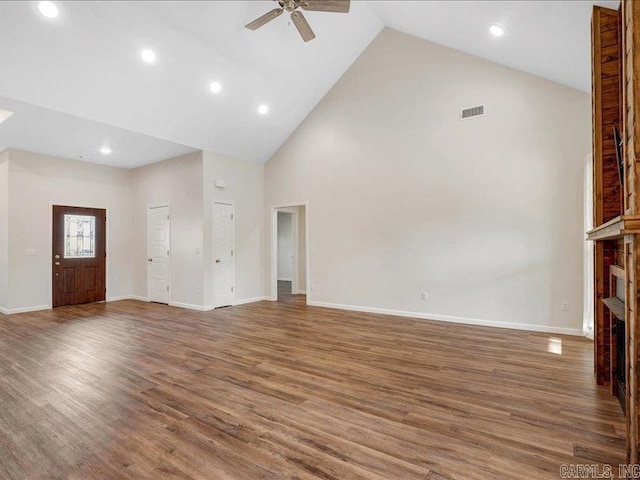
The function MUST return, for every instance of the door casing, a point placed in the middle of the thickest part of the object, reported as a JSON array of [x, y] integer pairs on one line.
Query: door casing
[[274, 248], [49, 253], [58, 261]]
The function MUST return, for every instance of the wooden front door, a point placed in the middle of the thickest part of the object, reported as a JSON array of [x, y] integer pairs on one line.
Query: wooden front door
[[79, 255]]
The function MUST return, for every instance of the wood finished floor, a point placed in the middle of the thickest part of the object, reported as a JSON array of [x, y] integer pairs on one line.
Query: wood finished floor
[[272, 390]]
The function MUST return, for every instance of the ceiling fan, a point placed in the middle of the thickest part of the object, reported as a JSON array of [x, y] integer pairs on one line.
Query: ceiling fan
[[338, 6]]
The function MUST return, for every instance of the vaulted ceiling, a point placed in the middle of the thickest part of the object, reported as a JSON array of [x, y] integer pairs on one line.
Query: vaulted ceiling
[[86, 62]]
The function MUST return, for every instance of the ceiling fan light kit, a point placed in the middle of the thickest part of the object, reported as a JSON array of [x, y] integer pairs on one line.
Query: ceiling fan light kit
[[294, 6]]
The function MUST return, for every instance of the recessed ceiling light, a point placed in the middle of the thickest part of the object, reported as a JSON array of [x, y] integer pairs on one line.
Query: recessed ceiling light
[[496, 30], [48, 9], [148, 55], [4, 114], [215, 87], [263, 109], [105, 150]]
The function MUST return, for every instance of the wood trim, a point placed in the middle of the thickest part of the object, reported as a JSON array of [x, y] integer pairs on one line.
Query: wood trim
[[616, 271], [616, 228]]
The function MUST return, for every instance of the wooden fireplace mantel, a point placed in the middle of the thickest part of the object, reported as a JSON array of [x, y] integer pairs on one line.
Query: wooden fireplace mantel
[[615, 228]]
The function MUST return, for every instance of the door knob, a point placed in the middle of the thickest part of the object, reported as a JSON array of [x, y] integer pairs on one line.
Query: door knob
[[57, 257], [57, 263], [217, 260], [149, 259]]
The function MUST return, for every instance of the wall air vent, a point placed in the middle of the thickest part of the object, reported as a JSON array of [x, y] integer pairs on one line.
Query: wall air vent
[[472, 112]]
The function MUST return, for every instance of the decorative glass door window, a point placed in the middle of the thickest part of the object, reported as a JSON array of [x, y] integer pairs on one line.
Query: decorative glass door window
[[79, 236]]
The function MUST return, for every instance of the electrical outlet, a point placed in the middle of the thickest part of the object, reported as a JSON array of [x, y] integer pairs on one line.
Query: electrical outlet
[[197, 289], [313, 286], [565, 306], [424, 296]]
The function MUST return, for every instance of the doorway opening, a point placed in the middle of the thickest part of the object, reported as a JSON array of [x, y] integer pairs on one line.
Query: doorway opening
[[290, 263], [79, 250]]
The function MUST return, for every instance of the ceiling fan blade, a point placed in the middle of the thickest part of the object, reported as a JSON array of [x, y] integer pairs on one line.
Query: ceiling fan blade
[[338, 6], [266, 18], [303, 26]]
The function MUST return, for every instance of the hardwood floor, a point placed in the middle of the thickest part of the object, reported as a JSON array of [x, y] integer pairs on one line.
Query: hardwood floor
[[130, 390], [285, 294]]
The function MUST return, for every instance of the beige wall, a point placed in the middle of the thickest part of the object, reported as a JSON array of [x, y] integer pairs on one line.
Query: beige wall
[[245, 189], [485, 215], [35, 183], [4, 227], [177, 183]]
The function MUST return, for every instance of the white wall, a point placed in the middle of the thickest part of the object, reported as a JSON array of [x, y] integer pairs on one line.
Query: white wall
[[177, 183], [285, 246], [35, 183], [30, 183], [485, 215], [245, 189], [302, 250], [4, 227]]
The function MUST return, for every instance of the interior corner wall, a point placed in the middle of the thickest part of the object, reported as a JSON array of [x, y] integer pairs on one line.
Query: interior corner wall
[[485, 215], [245, 189], [4, 228], [177, 183], [35, 183]]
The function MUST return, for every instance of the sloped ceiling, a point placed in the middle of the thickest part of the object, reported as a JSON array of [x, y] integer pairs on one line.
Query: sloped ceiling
[[549, 38], [87, 61]]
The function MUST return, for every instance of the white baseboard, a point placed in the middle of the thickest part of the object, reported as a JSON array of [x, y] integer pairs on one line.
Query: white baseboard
[[446, 318], [189, 306], [250, 300], [11, 311], [300, 292], [127, 297], [139, 298], [285, 279], [118, 298]]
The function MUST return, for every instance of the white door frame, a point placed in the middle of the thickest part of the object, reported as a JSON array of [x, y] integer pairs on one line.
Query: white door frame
[[274, 249], [49, 256], [233, 249], [149, 207], [295, 247]]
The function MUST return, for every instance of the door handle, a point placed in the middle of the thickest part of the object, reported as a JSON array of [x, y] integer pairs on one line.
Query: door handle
[[57, 263], [57, 257], [217, 260], [149, 259]]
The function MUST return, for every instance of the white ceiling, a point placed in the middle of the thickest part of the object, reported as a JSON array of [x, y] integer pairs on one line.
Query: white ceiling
[[550, 39], [86, 62], [40, 130]]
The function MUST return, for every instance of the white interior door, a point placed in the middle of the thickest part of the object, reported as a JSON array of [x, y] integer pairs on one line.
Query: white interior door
[[223, 266], [158, 248]]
